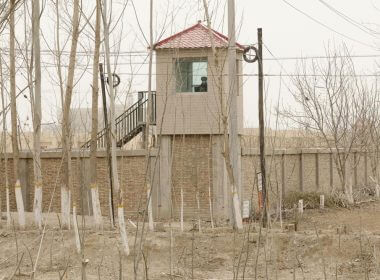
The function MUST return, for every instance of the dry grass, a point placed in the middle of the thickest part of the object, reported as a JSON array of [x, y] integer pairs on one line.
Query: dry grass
[[311, 200]]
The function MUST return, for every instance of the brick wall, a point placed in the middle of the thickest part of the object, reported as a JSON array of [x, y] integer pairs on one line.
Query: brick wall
[[131, 176], [193, 160], [192, 171]]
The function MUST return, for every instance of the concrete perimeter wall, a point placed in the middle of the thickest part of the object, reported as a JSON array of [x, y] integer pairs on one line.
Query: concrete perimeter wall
[[302, 170]]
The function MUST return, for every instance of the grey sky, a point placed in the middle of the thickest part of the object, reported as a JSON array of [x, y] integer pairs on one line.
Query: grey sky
[[286, 32]]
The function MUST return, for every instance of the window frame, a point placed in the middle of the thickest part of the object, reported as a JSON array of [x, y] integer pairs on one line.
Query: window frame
[[191, 60]]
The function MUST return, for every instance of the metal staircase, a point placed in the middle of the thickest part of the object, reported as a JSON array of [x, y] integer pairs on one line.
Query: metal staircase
[[130, 123]]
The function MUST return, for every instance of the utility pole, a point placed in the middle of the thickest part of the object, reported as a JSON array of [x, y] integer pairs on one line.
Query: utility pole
[[148, 120], [232, 115], [108, 138], [261, 124]]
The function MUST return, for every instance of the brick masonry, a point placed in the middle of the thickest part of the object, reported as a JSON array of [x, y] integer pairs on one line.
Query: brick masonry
[[192, 170]]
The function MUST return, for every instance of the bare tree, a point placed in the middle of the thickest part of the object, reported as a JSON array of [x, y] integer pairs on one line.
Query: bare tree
[[371, 139], [94, 123], [225, 122], [66, 139], [4, 143], [332, 102], [115, 176], [5, 12], [37, 114], [15, 148]]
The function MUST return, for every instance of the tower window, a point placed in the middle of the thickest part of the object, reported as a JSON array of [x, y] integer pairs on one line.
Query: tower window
[[191, 75]]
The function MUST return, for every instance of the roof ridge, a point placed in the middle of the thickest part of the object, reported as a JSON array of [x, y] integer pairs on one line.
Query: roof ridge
[[176, 34], [219, 37], [215, 33]]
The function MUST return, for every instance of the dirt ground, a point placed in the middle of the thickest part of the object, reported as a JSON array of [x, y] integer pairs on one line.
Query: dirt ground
[[329, 244]]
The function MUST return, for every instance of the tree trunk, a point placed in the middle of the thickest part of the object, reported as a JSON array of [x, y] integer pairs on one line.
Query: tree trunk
[[183, 179], [209, 183], [94, 123], [224, 120], [4, 143], [66, 139], [37, 116], [15, 150], [76, 229], [115, 176]]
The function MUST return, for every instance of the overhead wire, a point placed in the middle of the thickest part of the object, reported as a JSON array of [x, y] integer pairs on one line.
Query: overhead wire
[[350, 20], [326, 26]]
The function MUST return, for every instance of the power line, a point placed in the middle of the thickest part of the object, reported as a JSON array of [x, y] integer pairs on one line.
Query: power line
[[323, 57], [81, 53], [307, 57], [82, 67], [51, 64], [349, 19], [281, 66], [326, 26], [265, 75]]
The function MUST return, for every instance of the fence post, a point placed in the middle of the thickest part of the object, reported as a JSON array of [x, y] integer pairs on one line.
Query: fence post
[[365, 168], [321, 201], [317, 170], [301, 171], [283, 179], [355, 169], [331, 171]]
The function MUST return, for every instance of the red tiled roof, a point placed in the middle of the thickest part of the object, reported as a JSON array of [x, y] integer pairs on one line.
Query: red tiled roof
[[194, 37]]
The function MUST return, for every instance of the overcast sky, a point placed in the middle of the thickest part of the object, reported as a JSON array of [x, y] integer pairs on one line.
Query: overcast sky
[[302, 30]]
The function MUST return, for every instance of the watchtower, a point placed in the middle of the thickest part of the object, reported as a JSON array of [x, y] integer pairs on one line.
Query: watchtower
[[192, 95], [191, 82]]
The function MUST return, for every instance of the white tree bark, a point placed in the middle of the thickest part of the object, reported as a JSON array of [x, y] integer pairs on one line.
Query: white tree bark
[[123, 231], [76, 230], [98, 219], [94, 129], [37, 115], [65, 207], [20, 205], [15, 149], [150, 212], [66, 142], [224, 121]]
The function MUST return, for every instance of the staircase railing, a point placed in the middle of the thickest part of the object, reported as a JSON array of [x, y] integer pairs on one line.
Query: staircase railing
[[129, 123]]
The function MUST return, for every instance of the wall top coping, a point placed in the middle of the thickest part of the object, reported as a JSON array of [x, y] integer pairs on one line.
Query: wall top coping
[[293, 151], [83, 154]]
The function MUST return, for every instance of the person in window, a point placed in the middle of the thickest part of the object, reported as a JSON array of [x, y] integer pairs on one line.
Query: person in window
[[203, 86]]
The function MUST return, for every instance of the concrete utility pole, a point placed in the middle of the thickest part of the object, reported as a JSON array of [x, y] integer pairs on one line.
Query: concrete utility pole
[[108, 140], [261, 124], [148, 120], [232, 98]]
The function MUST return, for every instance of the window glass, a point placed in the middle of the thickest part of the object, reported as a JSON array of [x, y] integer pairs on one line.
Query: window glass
[[191, 75]]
